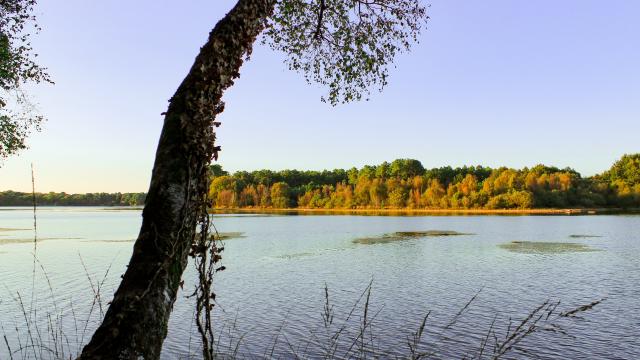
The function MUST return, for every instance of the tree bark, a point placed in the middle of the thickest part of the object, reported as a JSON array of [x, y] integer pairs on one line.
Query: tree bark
[[135, 324]]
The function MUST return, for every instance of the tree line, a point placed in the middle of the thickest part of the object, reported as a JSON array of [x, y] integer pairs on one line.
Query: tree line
[[405, 183], [13, 198]]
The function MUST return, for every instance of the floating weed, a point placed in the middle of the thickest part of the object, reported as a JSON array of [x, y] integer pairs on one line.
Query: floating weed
[[221, 236], [230, 235], [583, 236], [110, 241], [317, 252], [227, 216], [294, 256], [417, 234], [544, 247], [30, 240], [405, 235], [120, 208]]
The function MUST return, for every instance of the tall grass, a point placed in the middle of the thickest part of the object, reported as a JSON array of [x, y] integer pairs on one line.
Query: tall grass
[[352, 336], [357, 335], [47, 329]]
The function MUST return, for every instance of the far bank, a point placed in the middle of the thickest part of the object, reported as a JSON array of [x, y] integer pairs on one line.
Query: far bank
[[409, 212]]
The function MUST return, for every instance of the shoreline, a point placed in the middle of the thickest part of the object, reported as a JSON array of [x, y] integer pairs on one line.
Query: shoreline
[[316, 211], [361, 211]]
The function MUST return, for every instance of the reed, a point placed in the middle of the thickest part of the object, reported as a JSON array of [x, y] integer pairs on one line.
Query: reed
[[40, 333]]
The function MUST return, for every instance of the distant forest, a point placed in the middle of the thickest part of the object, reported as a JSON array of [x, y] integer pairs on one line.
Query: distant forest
[[401, 184], [405, 183], [12, 198]]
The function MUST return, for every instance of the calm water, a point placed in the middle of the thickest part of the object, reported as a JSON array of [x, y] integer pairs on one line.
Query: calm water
[[277, 271]]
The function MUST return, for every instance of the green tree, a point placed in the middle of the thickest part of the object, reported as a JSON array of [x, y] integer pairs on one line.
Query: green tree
[[627, 170], [353, 175], [406, 168], [215, 170], [383, 170], [17, 67]]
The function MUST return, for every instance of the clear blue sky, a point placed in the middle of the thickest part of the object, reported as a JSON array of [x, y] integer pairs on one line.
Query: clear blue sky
[[511, 83]]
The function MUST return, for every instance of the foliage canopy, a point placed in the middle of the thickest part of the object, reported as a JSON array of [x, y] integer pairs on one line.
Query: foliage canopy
[[345, 45], [17, 67]]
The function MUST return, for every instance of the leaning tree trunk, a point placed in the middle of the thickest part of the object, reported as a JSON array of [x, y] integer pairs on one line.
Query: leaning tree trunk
[[135, 325]]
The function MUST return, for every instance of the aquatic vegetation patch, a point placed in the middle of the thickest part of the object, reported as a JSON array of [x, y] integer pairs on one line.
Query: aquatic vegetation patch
[[30, 240], [221, 236], [318, 252], [230, 235], [122, 208], [295, 256], [583, 236], [223, 215], [418, 234], [110, 241], [544, 247], [405, 235]]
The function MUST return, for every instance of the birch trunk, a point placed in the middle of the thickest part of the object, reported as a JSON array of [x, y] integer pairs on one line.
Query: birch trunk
[[135, 324]]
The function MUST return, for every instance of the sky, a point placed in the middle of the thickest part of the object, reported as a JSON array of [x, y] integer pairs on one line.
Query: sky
[[513, 83]]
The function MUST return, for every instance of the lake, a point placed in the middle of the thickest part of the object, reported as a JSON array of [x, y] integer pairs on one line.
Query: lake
[[271, 297]]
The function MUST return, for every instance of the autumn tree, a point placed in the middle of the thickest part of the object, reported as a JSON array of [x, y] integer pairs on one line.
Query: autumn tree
[[345, 45], [280, 195], [389, 185]]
